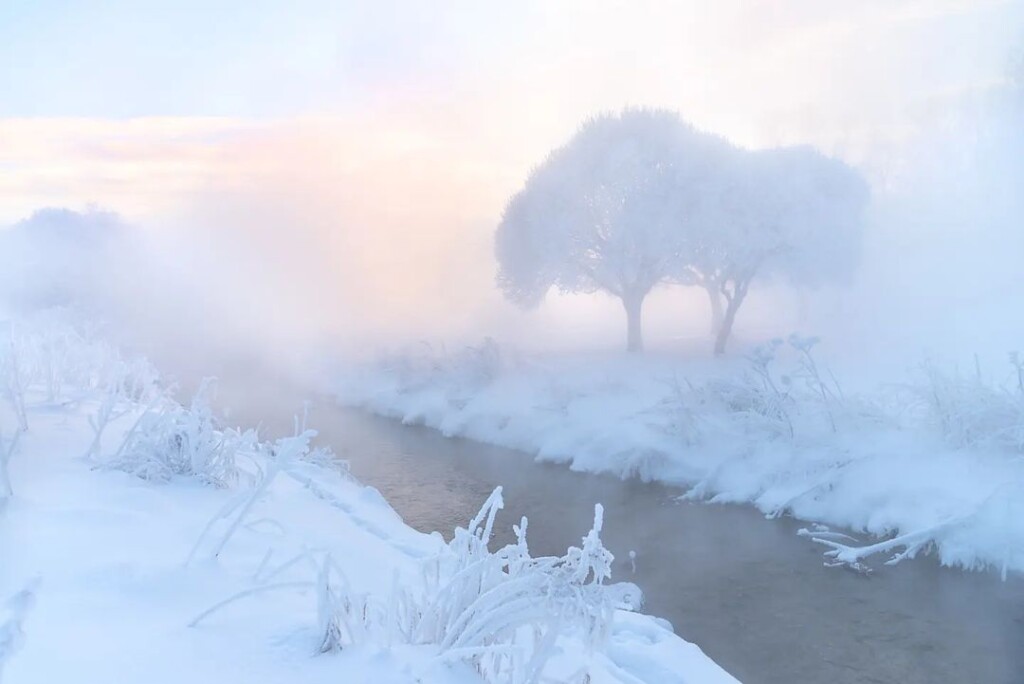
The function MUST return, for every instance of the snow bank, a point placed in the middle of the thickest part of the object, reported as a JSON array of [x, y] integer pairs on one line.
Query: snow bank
[[143, 541], [936, 463]]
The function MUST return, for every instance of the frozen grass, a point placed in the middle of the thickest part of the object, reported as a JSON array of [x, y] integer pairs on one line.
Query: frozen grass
[[971, 412], [505, 613], [170, 440], [932, 464], [64, 356]]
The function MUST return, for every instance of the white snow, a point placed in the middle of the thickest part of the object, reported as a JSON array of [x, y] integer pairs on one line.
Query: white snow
[[939, 457], [112, 567]]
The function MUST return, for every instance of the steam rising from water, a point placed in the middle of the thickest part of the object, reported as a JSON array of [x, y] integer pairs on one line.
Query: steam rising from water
[[373, 224]]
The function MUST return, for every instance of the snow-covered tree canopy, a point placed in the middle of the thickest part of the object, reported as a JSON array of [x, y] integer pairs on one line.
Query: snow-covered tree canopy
[[642, 198], [604, 212], [789, 212]]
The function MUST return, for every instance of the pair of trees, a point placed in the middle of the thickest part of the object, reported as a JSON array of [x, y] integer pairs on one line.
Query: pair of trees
[[643, 198]]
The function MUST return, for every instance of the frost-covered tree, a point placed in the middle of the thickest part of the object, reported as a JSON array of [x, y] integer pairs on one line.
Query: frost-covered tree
[[603, 213], [59, 256], [788, 212], [641, 198]]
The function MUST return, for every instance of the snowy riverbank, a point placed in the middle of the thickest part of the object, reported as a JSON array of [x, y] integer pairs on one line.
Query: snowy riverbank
[[934, 463], [131, 516]]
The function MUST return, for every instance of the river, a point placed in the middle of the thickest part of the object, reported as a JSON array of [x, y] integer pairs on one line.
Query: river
[[750, 592]]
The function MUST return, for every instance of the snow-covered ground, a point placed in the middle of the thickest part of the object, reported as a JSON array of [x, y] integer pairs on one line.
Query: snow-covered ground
[[934, 463], [132, 516]]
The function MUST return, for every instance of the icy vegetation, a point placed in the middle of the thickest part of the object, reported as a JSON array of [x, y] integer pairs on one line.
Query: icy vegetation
[[190, 547], [507, 610], [933, 464], [505, 613], [641, 198]]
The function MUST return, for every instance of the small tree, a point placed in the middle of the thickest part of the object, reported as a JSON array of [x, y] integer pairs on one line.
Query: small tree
[[791, 212], [603, 212]]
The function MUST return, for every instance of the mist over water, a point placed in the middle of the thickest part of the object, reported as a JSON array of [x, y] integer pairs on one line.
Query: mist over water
[[370, 224], [333, 260]]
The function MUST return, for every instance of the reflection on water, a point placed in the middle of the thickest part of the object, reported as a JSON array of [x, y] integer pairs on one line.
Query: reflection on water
[[751, 593]]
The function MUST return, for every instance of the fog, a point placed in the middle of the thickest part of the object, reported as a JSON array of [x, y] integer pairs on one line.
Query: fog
[[364, 218], [276, 193]]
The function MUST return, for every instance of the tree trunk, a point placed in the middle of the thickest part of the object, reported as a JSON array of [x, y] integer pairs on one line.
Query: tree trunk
[[633, 303], [717, 311], [727, 320]]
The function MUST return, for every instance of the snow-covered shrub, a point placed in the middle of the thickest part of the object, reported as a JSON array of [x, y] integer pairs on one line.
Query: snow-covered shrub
[[970, 412], [54, 351], [169, 439], [54, 357], [799, 402], [110, 408], [755, 403], [504, 611], [811, 376], [299, 450]]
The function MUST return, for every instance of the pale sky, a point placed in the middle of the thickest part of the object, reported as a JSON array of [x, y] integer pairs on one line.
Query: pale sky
[[393, 130], [130, 104], [254, 58]]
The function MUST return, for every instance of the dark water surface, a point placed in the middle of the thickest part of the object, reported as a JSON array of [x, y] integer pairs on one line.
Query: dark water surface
[[753, 595]]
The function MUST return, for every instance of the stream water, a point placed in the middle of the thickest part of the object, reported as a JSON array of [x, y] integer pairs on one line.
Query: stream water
[[750, 592]]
